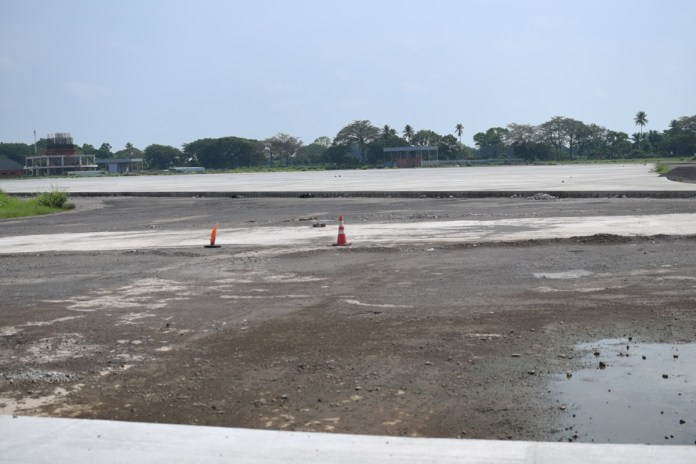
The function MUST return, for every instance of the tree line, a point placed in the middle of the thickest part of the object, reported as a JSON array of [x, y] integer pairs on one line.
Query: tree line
[[567, 139], [361, 143]]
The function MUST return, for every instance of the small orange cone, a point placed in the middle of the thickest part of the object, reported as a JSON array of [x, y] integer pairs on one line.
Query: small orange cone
[[342, 241], [213, 236]]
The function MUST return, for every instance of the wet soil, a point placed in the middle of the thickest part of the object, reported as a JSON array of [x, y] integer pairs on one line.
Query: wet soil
[[682, 174], [420, 340]]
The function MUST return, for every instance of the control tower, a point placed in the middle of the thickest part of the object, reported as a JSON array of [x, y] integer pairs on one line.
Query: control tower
[[62, 157]]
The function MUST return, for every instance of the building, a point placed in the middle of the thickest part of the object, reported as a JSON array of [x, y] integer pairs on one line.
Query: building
[[409, 157], [120, 165], [61, 158], [10, 168]]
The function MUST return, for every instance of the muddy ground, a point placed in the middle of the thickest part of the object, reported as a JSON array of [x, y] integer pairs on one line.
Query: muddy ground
[[682, 173], [458, 340]]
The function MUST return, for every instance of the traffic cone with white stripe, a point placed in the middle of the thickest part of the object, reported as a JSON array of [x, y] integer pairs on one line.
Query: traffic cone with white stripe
[[342, 241]]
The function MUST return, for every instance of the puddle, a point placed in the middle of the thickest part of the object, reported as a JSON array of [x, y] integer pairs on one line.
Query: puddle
[[645, 393], [291, 278], [374, 305], [28, 405], [574, 274]]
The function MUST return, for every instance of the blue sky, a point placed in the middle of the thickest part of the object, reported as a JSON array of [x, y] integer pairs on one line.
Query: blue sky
[[171, 72]]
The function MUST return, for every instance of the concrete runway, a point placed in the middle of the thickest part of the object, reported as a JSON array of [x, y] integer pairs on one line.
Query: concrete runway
[[575, 177], [391, 234]]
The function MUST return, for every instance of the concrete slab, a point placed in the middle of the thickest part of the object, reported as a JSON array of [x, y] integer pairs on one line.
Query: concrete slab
[[576, 177], [427, 232], [38, 440]]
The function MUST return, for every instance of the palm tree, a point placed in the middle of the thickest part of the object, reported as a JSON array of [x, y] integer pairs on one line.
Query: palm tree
[[459, 130], [388, 131], [408, 133], [641, 120]]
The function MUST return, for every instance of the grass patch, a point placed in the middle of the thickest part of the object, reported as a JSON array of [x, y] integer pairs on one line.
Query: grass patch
[[44, 203], [53, 199], [662, 168]]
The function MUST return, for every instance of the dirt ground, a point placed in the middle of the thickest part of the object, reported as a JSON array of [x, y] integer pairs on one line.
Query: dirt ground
[[458, 340], [686, 173]]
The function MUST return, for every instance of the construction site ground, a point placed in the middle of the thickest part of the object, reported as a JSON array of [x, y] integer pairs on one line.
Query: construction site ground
[[404, 337]]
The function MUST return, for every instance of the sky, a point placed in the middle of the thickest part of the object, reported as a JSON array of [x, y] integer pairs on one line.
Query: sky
[[170, 72]]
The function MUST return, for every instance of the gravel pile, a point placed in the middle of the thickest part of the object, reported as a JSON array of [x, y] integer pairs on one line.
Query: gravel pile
[[542, 197], [36, 375]]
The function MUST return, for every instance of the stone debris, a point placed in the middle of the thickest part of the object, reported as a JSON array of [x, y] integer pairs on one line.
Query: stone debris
[[542, 197], [36, 375]]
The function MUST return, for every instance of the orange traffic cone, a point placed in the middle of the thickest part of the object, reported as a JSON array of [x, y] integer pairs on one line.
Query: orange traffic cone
[[213, 236], [342, 241]]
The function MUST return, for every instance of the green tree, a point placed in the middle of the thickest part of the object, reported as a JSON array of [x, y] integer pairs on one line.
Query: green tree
[[491, 142], [129, 152], [225, 153], [162, 156], [104, 151], [284, 145], [359, 133], [576, 133], [618, 144], [553, 132], [426, 137], [523, 138], [315, 152], [39, 148], [387, 138], [16, 151], [88, 149], [459, 130], [408, 133], [592, 144], [311, 154], [641, 120], [339, 156], [324, 141], [680, 138], [448, 147]]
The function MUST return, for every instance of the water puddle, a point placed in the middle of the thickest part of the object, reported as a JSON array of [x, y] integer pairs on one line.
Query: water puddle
[[574, 274], [629, 392]]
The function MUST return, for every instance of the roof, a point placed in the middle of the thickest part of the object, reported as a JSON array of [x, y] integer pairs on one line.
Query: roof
[[119, 160], [7, 164], [409, 149]]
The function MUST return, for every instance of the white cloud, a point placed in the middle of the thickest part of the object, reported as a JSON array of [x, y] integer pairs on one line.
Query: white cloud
[[87, 91]]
